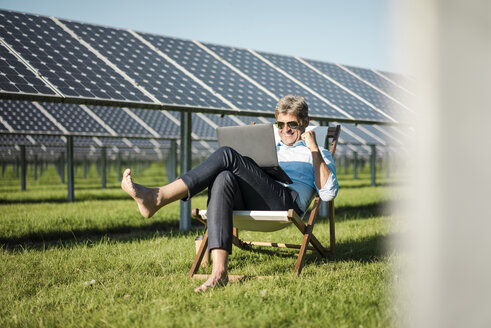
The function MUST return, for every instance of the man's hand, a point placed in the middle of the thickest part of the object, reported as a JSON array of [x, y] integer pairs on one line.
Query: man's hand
[[309, 138]]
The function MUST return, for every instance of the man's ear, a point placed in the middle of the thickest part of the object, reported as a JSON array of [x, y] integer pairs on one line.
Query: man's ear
[[306, 121]]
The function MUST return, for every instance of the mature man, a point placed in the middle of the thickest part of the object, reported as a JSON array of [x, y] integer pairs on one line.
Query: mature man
[[237, 183]]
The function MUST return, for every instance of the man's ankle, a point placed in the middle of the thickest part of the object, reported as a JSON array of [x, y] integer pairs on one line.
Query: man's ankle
[[220, 273]]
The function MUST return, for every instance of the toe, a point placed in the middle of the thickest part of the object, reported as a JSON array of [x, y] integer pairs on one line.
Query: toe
[[201, 288], [126, 172]]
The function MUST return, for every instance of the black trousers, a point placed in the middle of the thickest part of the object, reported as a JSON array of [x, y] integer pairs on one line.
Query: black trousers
[[234, 182]]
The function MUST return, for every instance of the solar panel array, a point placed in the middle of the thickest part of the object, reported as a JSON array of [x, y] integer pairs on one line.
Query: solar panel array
[[44, 58], [106, 76]]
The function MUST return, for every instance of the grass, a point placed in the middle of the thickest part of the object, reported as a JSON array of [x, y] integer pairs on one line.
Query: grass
[[96, 262]]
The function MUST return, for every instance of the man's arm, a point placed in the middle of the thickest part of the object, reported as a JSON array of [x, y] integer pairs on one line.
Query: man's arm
[[321, 170]]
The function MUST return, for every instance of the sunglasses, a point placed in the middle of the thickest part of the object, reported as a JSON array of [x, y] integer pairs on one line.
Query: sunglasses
[[292, 125]]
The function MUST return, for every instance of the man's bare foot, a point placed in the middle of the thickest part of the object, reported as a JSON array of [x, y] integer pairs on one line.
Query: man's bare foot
[[146, 198], [214, 281]]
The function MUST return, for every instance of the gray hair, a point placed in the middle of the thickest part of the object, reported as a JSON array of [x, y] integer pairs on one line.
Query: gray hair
[[295, 105]]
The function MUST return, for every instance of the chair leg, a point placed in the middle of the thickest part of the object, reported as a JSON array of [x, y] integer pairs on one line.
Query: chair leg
[[307, 236], [199, 255], [332, 232], [303, 250], [313, 239]]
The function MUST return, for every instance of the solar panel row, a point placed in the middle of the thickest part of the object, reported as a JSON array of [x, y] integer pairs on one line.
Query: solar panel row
[[104, 122], [72, 119], [103, 65]]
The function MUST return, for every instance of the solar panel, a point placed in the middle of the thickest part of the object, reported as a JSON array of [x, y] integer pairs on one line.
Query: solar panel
[[380, 82], [400, 79], [16, 78], [361, 133], [234, 88], [202, 128], [119, 121], [159, 77], [48, 140], [205, 150], [63, 61], [9, 139], [159, 122], [116, 142], [334, 94], [142, 143], [3, 127], [85, 142], [384, 133], [219, 120], [110, 143], [25, 116], [362, 89], [258, 120], [199, 127], [363, 152], [204, 125], [207, 124], [271, 79], [74, 119], [349, 137]]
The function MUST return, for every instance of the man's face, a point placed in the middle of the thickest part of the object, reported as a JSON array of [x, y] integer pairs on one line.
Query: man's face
[[288, 135]]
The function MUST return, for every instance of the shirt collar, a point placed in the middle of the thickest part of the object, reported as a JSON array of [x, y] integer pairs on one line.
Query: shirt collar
[[296, 144]]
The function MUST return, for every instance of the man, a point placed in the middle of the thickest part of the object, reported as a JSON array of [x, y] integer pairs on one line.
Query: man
[[237, 183]]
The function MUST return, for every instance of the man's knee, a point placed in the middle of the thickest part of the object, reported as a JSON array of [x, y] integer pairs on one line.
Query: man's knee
[[226, 151], [225, 179]]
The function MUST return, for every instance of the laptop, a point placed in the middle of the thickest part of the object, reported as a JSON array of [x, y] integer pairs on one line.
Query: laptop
[[257, 142]]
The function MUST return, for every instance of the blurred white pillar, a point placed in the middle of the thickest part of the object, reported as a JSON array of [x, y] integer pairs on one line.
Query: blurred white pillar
[[447, 278]]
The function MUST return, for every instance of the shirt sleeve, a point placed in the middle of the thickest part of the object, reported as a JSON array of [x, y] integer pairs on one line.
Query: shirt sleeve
[[330, 189]]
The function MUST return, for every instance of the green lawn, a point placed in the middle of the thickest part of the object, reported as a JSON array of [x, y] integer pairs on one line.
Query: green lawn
[[52, 250]]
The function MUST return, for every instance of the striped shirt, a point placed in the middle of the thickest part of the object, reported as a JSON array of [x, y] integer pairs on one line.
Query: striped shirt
[[296, 161]]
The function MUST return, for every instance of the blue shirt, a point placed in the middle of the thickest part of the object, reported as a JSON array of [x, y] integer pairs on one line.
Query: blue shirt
[[296, 161]]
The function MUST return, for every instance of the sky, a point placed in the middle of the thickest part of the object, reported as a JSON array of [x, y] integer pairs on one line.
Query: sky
[[351, 32]]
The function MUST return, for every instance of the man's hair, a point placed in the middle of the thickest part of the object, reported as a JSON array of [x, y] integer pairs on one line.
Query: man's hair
[[295, 105]]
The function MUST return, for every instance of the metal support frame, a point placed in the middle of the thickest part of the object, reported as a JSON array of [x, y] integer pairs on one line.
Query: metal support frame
[[103, 167], [61, 167], [69, 162], [185, 207], [171, 162], [35, 167], [119, 167], [85, 167], [373, 162], [355, 165], [23, 167]]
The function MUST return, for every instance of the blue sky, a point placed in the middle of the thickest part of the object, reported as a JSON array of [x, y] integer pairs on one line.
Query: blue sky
[[352, 32]]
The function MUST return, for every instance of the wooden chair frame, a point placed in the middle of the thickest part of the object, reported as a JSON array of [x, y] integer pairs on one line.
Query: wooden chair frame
[[306, 229]]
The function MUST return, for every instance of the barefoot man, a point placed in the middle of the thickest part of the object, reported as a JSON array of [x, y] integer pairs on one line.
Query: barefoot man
[[237, 183]]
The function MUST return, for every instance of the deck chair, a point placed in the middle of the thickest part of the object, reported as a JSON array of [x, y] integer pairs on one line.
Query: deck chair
[[268, 221]]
